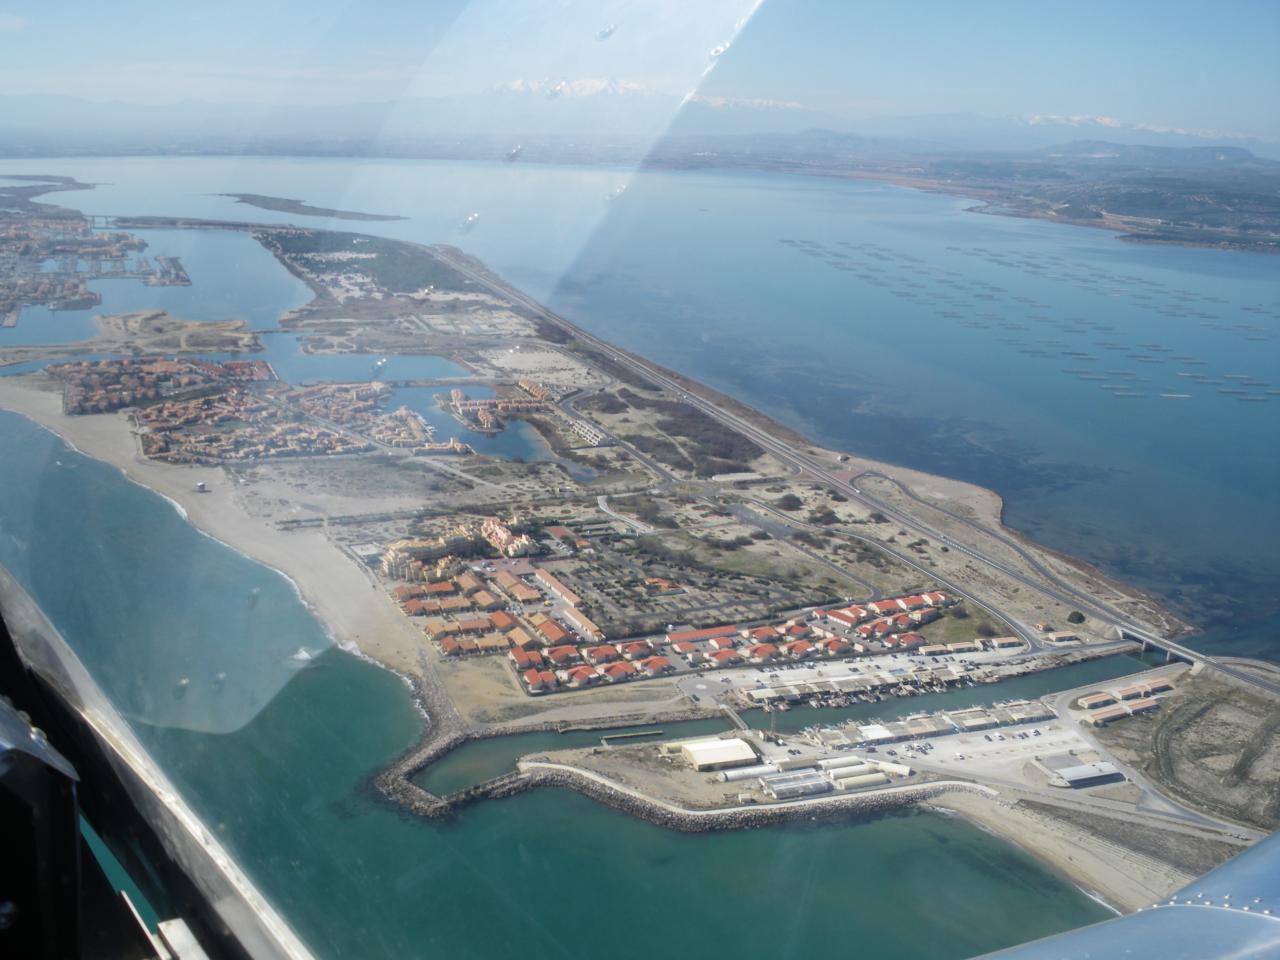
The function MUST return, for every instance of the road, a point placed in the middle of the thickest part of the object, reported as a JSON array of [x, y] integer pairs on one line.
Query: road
[[1051, 585], [602, 502]]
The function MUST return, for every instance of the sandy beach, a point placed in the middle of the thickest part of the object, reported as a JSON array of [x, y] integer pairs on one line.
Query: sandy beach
[[345, 598], [1124, 880], [359, 614]]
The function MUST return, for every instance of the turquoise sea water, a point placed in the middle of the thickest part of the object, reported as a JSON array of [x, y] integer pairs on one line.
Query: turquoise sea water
[[275, 760], [891, 323]]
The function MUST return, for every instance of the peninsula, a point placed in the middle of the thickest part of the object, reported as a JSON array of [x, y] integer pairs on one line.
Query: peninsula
[[301, 207], [672, 555]]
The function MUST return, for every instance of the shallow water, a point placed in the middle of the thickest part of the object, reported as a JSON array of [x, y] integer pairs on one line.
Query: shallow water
[[275, 760]]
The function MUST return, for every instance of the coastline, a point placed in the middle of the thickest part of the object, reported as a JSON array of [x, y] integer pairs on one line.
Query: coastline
[[986, 505], [338, 593], [328, 582], [1123, 882], [333, 587], [989, 203]]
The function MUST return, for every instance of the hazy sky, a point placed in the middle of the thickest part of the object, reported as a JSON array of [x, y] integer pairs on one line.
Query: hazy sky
[[1165, 63]]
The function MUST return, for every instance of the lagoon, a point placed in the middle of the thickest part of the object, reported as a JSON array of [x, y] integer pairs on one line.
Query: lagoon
[[948, 339]]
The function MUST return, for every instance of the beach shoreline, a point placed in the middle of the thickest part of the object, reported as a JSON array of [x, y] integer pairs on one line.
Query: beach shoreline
[[329, 581], [359, 617], [1122, 884]]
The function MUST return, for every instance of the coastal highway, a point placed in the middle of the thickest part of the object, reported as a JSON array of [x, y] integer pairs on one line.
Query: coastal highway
[[789, 456], [1062, 591], [1051, 585]]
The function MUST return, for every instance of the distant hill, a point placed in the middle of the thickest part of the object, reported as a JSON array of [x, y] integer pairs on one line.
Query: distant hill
[[583, 110]]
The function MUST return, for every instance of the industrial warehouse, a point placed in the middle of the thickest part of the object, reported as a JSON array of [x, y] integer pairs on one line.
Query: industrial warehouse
[[765, 769]]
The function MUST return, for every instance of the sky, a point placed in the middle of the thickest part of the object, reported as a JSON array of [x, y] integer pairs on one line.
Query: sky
[[1206, 66]]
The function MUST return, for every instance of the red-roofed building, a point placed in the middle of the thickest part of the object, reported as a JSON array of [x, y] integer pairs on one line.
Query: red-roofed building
[[842, 618], [763, 653], [914, 602], [723, 643], [725, 658], [690, 652], [414, 608], [440, 589], [905, 641], [637, 650], [407, 591], [450, 647], [468, 583], [503, 621], [695, 635], [881, 627], [522, 638], [602, 654], [800, 650], [581, 677], [525, 659], [562, 655], [798, 631], [619, 671], [935, 599], [551, 631], [881, 607], [834, 647], [539, 681], [764, 635], [656, 665]]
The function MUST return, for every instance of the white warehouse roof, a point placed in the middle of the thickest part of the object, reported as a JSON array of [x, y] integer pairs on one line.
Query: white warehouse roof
[[714, 753], [1087, 771]]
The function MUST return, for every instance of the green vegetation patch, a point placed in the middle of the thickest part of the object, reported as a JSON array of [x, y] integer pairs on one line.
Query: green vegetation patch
[[712, 448], [394, 266]]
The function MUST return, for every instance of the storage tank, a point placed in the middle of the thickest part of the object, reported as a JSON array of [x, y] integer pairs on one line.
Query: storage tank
[[843, 773], [861, 780], [746, 773]]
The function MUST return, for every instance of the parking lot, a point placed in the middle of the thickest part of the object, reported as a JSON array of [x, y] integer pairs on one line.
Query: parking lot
[[718, 683], [1002, 754]]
